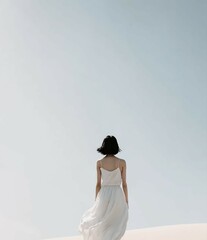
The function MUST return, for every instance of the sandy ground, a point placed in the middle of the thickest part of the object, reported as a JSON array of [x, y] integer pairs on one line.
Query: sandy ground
[[196, 231]]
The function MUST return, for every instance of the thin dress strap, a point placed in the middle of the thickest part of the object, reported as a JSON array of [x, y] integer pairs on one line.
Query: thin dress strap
[[118, 163], [101, 163]]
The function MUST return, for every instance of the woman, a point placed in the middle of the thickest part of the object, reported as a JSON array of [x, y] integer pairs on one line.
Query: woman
[[107, 218]]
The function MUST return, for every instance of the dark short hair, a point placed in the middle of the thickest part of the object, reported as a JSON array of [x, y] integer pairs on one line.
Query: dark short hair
[[109, 146]]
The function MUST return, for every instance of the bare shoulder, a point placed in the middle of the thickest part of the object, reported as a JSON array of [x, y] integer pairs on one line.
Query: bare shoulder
[[122, 162], [98, 163]]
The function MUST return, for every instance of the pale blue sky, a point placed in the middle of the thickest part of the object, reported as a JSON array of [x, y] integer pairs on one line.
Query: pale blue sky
[[73, 72]]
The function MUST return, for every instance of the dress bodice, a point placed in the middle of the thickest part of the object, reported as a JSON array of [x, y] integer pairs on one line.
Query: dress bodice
[[111, 177]]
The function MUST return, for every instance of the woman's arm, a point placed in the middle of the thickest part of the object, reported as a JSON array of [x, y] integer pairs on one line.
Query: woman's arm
[[98, 184], [124, 182]]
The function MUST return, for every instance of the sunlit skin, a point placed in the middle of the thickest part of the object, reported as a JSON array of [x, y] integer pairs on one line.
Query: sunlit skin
[[110, 163]]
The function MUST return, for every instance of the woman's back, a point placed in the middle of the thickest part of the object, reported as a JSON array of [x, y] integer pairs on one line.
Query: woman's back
[[110, 176], [111, 162]]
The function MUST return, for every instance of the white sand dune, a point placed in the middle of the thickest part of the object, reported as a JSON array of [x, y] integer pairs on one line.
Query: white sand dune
[[196, 231]]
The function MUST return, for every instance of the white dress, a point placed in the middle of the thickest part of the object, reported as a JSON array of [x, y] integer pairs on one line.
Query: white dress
[[107, 218]]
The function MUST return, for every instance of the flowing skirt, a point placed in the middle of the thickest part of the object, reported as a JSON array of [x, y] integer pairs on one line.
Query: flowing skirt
[[107, 218]]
